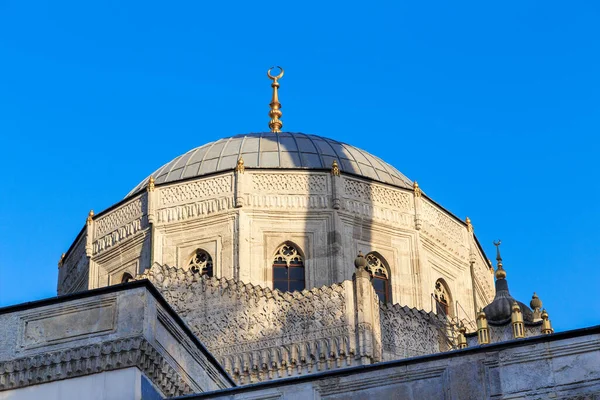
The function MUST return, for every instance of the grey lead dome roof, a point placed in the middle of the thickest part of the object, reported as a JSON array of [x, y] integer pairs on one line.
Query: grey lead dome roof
[[270, 150]]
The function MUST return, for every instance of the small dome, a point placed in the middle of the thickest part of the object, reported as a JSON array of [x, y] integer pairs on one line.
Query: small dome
[[498, 312], [283, 150]]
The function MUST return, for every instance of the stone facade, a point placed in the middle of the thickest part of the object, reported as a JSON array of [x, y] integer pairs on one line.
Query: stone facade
[[241, 217]]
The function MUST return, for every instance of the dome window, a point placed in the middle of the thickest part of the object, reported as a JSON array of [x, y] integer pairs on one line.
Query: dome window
[[288, 269], [442, 297], [379, 277], [201, 262]]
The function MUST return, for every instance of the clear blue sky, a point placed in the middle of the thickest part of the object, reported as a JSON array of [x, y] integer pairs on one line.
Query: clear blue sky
[[493, 108]]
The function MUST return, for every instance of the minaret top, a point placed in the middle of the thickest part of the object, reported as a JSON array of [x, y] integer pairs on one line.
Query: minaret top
[[275, 124]]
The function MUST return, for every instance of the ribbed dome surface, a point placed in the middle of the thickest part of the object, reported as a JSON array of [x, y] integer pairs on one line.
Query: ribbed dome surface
[[270, 150]]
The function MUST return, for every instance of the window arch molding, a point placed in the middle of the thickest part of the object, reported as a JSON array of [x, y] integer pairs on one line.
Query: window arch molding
[[444, 302], [379, 269], [200, 261], [288, 267]]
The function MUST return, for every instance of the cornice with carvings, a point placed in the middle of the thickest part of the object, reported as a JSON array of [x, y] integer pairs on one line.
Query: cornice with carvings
[[91, 359]]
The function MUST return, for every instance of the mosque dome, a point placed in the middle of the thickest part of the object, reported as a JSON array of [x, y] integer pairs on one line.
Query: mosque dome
[[283, 150]]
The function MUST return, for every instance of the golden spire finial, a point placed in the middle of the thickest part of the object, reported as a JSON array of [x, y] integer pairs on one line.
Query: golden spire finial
[[240, 166], [335, 168], [500, 272], [417, 189], [469, 224], [275, 124], [150, 187], [90, 217], [62, 260]]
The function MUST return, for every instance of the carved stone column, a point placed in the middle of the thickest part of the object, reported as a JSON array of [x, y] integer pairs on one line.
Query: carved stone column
[[239, 187], [89, 250], [368, 328], [417, 199], [155, 243]]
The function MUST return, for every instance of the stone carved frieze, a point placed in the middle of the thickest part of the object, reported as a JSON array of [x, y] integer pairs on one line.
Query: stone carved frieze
[[289, 183], [119, 224], [118, 217], [373, 193], [196, 209], [444, 230], [386, 215], [258, 333], [261, 334], [407, 332], [194, 191], [483, 280], [288, 201], [99, 357]]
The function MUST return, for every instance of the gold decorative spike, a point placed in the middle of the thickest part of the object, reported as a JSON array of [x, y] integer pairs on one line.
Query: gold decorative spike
[[483, 334], [335, 168], [500, 272], [417, 189], [546, 325], [517, 321], [150, 186], [275, 124], [239, 168], [90, 217], [62, 260], [469, 225]]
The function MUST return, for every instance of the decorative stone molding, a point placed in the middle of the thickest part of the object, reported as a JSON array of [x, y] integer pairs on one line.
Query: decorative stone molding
[[289, 183], [407, 332], [193, 191], [373, 193], [119, 224], [185, 212], [444, 230], [288, 201], [93, 358], [262, 334]]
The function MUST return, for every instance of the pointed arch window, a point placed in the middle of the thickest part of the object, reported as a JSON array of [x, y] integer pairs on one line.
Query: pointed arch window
[[442, 297], [379, 277], [126, 277], [201, 262], [288, 269]]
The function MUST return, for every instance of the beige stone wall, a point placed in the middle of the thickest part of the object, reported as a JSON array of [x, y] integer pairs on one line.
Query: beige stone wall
[[241, 218]]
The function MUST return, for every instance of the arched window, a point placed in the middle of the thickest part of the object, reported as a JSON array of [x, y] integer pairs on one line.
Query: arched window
[[126, 277], [443, 300], [288, 269], [379, 277], [201, 262]]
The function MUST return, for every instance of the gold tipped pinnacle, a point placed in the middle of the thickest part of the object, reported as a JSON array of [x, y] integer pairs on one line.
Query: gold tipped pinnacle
[[500, 272], [90, 217], [150, 186], [275, 124], [417, 189]]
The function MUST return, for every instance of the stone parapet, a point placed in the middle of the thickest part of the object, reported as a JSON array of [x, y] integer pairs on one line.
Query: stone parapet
[[259, 334]]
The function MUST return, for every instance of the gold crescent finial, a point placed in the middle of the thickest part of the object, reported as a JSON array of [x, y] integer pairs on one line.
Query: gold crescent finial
[[275, 124], [274, 78]]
